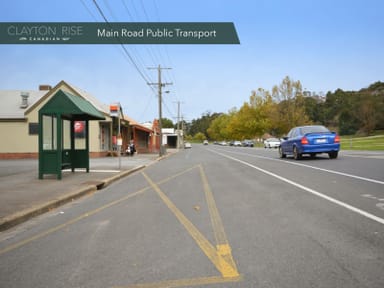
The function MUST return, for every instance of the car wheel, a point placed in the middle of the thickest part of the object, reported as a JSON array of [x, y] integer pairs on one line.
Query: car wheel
[[333, 155], [296, 154], [282, 155]]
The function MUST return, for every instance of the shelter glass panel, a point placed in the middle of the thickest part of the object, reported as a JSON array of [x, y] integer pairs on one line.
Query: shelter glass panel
[[66, 134], [49, 132]]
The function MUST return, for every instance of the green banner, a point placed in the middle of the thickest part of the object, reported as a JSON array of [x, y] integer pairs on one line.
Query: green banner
[[118, 33]]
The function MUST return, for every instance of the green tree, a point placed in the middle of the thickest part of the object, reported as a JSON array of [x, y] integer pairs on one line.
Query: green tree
[[347, 122], [199, 137], [241, 123], [166, 123], [202, 124], [218, 130], [334, 104], [366, 113], [266, 111], [291, 109], [314, 109], [253, 118]]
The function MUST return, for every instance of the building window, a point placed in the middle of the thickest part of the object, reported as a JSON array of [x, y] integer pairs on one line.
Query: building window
[[33, 129]]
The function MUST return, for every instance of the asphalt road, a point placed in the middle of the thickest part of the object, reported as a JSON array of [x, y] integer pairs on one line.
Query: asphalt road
[[213, 216]]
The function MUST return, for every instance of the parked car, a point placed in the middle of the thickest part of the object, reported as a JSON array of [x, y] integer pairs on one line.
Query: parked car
[[223, 143], [272, 143], [205, 142], [237, 144], [310, 140], [247, 143], [187, 145]]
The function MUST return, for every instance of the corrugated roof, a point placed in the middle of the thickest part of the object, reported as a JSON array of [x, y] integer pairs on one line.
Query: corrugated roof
[[11, 100], [133, 122]]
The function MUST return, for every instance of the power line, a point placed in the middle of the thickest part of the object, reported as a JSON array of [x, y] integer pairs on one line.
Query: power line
[[124, 49], [145, 11], [155, 54], [156, 10], [127, 10], [89, 11], [127, 54], [110, 10]]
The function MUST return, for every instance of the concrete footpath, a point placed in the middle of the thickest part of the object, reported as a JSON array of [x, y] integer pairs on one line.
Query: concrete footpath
[[23, 195]]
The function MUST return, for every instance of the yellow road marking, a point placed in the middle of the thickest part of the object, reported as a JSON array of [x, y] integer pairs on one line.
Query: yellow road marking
[[221, 257], [177, 175], [70, 222], [222, 244], [184, 282], [54, 229], [226, 269]]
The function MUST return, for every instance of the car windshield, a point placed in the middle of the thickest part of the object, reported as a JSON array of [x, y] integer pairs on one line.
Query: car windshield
[[273, 140], [313, 129]]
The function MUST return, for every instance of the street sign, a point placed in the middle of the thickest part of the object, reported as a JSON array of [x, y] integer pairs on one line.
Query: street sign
[[114, 110]]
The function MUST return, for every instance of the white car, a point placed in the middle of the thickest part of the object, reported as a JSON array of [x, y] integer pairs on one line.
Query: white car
[[272, 143], [187, 145], [237, 144]]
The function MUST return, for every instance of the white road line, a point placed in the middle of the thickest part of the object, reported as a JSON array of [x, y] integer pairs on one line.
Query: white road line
[[312, 167], [314, 192], [364, 156]]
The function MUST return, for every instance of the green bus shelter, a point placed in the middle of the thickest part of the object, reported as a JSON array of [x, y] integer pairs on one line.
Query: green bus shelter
[[64, 133]]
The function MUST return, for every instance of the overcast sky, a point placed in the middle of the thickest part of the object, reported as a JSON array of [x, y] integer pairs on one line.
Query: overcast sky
[[325, 44]]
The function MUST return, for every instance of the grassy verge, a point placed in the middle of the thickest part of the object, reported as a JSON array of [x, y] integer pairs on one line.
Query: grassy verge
[[362, 143]]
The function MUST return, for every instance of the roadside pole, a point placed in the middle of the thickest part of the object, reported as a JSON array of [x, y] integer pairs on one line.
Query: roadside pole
[[114, 112], [160, 85]]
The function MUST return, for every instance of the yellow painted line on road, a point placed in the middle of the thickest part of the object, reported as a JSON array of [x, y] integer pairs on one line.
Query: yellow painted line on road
[[90, 213], [177, 175], [184, 282], [221, 257], [226, 269], [70, 222], [222, 244]]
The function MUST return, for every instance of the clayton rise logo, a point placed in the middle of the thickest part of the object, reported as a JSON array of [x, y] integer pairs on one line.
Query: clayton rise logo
[[33, 33]]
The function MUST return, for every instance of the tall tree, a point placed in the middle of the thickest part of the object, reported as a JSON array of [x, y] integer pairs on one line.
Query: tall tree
[[290, 96], [366, 113], [218, 130], [243, 123], [202, 124]]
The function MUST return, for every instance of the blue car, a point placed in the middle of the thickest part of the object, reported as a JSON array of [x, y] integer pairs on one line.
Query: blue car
[[310, 140]]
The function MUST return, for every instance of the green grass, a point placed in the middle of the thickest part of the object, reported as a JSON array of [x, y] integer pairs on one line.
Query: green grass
[[375, 142]]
